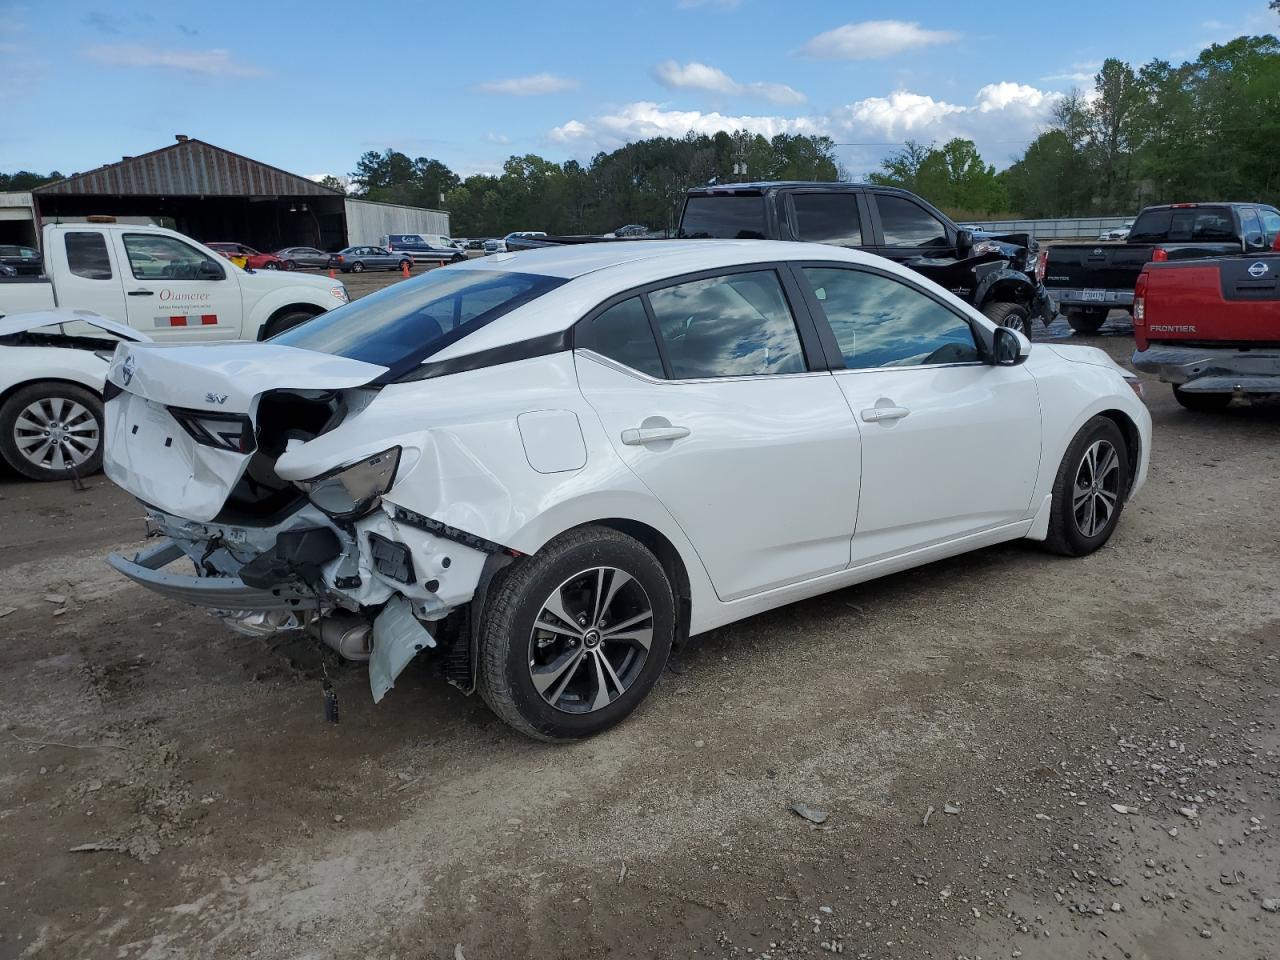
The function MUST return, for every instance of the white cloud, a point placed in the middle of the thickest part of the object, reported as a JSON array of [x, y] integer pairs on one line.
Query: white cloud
[[1080, 74], [216, 62], [499, 138], [873, 40], [1001, 118], [636, 121], [534, 85], [699, 76]]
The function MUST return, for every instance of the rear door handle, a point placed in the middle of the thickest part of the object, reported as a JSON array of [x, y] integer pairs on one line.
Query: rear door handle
[[876, 414], [638, 436], [142, 293]]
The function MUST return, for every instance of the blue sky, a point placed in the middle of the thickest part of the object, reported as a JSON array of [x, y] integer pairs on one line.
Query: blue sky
[[310, 86]]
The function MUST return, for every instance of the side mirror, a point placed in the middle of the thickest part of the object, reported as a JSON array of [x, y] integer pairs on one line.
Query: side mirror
[[1009, 348], [210, 270], [964, 242]]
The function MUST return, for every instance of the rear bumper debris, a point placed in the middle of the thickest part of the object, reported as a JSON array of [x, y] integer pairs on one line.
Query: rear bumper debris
[[1213, 369], [216, 592]]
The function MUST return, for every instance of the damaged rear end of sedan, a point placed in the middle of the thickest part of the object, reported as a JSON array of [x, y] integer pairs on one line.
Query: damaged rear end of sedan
[[267, 468]]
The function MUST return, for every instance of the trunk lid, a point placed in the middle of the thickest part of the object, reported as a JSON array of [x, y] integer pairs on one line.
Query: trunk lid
[[185, 424]]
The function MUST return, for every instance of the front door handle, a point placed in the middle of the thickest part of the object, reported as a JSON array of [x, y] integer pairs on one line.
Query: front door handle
[[637, 436], [878, 414], [142, 293]]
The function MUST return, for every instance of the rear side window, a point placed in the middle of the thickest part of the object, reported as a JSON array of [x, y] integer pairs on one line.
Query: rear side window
[[87, 256], [730, 326], [881, 322], [723, 218], [403, 324], [1270, 223], [828, 218], [1184, 225], [1250, 225], [622, 333]]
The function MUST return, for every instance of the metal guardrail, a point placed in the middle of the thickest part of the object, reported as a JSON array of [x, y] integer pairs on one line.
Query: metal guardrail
[[1063, 228]]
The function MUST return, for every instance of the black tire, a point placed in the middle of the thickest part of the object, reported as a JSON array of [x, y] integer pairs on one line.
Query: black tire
[[1066, 535], [283, 322], [1086, 322], [458, 258], [357, 267], [508, 649], [1008, 314], [1202, 402], [20, 400], [271, 266], [290, 265]]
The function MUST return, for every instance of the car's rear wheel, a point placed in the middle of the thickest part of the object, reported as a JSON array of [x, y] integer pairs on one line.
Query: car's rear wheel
[[1090, 489], [1202, 402], [357, 267], [52, 431], [1008, 314], [1086, 322], [574, 637]]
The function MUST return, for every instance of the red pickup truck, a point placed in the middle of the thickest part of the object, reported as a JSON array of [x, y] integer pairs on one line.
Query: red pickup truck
[[1210, 327]]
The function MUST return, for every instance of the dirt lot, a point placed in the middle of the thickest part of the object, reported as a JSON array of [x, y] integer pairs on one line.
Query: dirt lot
[[1097, 740]]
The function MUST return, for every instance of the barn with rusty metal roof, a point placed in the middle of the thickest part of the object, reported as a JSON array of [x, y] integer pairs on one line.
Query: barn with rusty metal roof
[[213, 195]]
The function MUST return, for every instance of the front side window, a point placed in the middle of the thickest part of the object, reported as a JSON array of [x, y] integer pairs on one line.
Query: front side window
[[153, 257], [906, 224], [403, 324], [882, 322], [87, 256], [622, 333], [1270, 223], [725, 217], [731, 326], [828, 218]]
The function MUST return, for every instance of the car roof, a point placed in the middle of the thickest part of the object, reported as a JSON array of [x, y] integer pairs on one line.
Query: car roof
[[597, 271]]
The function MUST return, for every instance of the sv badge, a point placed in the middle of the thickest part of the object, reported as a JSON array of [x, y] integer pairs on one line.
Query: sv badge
[[215, 398]]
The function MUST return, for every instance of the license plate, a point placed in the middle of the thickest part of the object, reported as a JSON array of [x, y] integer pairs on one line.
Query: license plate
[[1094, 295]]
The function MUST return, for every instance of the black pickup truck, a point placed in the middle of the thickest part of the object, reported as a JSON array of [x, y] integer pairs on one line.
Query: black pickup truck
[[997, 274], [1088, 280]]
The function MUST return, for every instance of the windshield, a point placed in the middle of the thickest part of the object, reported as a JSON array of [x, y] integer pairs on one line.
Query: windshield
[[723, 217], [404, 324]]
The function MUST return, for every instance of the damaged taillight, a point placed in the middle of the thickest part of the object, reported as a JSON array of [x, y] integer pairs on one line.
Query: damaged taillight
[[352, 491], [226, 431]]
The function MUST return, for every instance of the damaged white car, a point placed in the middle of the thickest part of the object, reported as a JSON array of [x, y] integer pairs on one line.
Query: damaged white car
[[550, 466]]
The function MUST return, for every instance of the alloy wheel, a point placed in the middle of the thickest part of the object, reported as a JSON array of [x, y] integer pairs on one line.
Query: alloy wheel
[[1096, 492], [590, 640], [55, 433]]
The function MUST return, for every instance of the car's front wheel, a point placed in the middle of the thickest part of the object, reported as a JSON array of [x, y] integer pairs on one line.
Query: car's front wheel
[[1087, 321], [52, 431], [1090, 489], [574, 637]]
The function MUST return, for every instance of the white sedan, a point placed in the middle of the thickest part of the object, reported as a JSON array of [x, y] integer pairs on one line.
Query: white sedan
[[549, 467]]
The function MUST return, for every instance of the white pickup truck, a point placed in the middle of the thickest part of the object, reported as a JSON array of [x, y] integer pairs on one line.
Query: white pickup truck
[[161, 284], [165, 285]]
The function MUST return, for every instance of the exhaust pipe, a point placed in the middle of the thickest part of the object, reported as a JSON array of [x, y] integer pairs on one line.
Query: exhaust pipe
[[346, 633]]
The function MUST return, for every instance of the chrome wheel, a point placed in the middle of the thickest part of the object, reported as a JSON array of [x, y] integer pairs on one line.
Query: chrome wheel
[[56, 433], [590, 640], [1096, 492]]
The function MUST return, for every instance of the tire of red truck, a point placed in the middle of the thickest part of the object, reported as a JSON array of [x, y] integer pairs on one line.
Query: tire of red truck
[[1202, 402], [1085, 321], [1008, 314]]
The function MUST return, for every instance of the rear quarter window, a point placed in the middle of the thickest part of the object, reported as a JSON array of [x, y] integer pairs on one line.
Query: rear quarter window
[[1185, 225], [723, 218]]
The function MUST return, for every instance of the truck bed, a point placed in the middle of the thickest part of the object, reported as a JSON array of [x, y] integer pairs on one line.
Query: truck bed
[[25, 295]]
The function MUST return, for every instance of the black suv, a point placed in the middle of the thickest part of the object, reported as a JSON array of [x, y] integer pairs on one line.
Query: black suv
[[998, 275]]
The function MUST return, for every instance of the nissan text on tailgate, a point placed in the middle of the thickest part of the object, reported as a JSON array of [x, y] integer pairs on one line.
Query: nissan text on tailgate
[[1210, 327]]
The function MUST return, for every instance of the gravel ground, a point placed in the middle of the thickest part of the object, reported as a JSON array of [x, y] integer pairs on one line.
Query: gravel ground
[[1017, 755]]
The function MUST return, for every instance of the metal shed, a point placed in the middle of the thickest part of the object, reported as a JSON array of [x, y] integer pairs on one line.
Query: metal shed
[[214, 194]]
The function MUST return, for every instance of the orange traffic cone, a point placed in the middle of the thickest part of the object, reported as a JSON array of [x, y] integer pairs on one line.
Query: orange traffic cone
[[404, 269], [332, 275]]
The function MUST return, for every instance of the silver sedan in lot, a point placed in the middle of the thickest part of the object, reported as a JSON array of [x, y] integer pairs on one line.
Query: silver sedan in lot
[[296, 258], [360, 259]]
